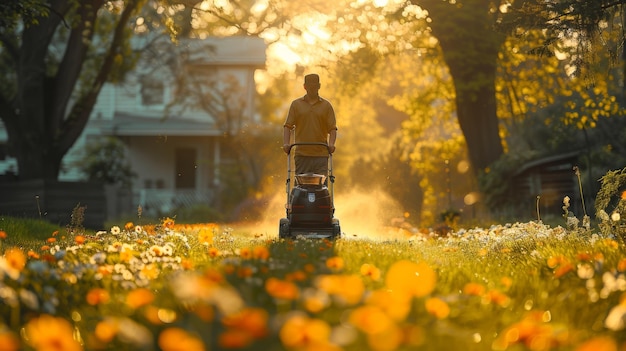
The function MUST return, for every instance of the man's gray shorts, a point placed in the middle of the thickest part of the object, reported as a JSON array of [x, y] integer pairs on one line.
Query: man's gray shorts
[[311, 164]]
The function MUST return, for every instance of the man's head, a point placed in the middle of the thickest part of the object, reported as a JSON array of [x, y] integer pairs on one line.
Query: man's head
[[312, 81]]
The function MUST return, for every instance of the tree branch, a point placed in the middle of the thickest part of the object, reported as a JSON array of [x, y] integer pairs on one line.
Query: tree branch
[[79, 115]]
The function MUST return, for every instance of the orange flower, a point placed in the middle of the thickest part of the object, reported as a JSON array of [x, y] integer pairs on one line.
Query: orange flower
[[261, 253], [245, 253], [473, 289], [233, 339], [129, 226], [33, 254], [51, 240], [371, 271], [563, 269], [387, 340], [176, 339], [97, 296], [3, 234], [300, 331], [348, 288], [213, 252], [15, 258], [51, 333], [251, 320], [296, 276], [599, 343], [417, 279], [168, 223], [621, 265], [437, 307], [281, 289], [186, 264], [106, 330], [370, 319], [335, 263], [395, 304], [244, 272], [8, 341], [55, 233], [497, 297], [79, 239], [45, 248], [139, 297]]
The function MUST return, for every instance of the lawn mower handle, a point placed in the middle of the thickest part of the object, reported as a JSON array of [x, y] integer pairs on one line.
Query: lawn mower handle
[[331, 177], [310, 144]]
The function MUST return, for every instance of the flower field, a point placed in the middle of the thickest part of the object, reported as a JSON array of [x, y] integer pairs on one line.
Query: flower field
[[522, 286]]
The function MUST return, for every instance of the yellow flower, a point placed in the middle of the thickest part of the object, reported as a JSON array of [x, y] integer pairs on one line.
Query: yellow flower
[[437, 307], [396, 304], [150, 271], [348, 288], [387, 340], [176, 339], [139, 297], [303, 332], [205, 236], [417, 279], [51, 334], [369, 270]]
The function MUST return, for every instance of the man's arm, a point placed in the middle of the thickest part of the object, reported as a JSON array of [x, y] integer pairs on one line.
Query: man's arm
[[332, 137], [286, 138]]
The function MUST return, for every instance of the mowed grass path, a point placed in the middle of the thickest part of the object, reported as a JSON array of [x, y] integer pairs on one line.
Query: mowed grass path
[[523, 286]]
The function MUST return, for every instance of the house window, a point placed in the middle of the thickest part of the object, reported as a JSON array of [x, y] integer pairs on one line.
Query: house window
[[186, 168], [152, 91]]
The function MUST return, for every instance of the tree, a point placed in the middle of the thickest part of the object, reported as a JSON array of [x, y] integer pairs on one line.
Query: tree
[[56, 67], [472, 58]]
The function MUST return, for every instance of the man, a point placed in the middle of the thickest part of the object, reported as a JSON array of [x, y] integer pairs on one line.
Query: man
[[312, 119]]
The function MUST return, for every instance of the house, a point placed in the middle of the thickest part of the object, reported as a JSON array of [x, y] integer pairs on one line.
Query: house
[[172, 113], [551, 179]]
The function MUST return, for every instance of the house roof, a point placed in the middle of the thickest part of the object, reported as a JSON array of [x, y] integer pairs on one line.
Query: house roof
[[560, 159], [226, 51], [130, 125]]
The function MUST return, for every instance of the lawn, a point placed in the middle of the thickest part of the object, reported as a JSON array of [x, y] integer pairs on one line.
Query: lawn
[[518, 286]]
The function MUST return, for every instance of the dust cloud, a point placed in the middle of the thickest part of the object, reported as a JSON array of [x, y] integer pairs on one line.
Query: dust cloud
[[371, 215]]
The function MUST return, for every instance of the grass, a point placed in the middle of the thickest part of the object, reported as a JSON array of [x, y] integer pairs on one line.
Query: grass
[[169, 286]]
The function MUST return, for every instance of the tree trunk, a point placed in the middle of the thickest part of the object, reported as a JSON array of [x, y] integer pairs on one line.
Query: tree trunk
[[47, 114], [470, 48]]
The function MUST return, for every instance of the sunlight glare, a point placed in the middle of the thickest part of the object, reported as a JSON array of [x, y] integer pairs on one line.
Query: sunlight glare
[[259, 7]]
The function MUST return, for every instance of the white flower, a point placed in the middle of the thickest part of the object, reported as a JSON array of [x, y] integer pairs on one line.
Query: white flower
[[616, 320], [615, 217], [115, 230], [566, 201], [585, 271]]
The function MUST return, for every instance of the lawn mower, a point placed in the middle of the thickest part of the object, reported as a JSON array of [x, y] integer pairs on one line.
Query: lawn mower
[[310, 205]]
